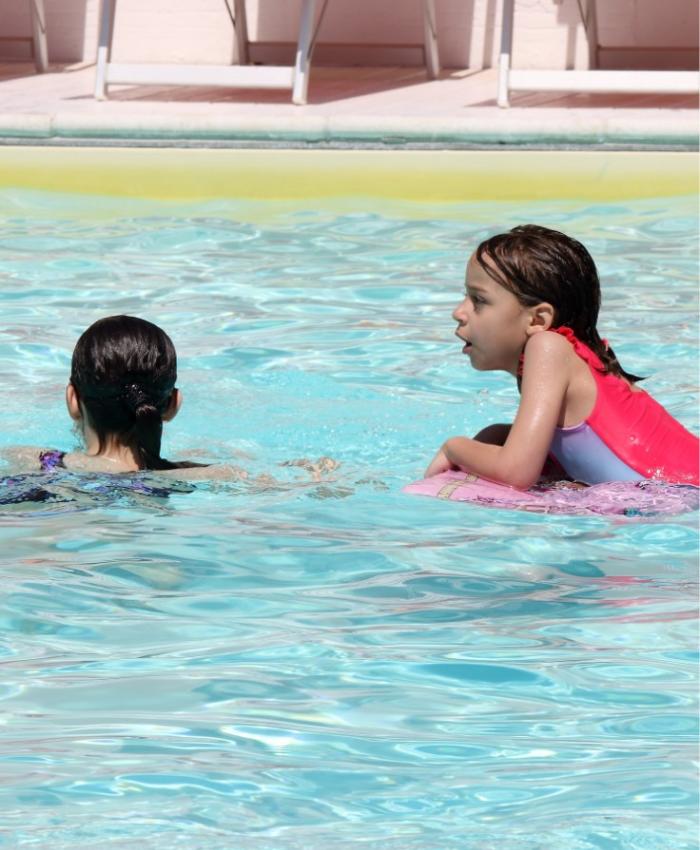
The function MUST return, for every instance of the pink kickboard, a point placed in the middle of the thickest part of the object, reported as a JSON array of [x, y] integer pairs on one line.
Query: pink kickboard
[[617, 497]]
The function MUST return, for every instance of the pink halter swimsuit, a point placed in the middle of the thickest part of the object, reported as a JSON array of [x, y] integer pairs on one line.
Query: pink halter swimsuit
[[627, 436]]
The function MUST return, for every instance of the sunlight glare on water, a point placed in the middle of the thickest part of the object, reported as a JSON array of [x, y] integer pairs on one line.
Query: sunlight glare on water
[[337, 664]]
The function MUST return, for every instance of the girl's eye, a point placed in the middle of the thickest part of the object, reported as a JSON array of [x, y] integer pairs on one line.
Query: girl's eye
[[476, 300]]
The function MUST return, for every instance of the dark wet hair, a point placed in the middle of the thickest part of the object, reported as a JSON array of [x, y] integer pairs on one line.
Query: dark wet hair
[[537, 264], [124, 371]]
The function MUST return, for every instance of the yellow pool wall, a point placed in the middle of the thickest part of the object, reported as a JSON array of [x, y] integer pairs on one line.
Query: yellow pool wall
[[183, 175]]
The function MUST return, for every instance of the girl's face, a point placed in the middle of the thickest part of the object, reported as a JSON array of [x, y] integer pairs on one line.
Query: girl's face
[[491, 322]]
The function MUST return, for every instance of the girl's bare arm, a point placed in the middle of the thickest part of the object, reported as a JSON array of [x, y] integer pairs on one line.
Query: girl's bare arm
[[519, 461]]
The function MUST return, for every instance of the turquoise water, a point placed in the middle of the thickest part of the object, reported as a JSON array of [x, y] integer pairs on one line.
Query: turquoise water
[[305, 665]]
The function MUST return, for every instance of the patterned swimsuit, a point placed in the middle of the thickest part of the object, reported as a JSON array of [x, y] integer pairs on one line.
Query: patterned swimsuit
[[48, 461]]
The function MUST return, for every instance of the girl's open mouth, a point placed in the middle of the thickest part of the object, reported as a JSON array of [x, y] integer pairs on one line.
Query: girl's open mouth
[[467, 343]]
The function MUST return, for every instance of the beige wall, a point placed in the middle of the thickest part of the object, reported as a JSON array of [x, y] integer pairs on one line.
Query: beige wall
[[71, 27], [548, 33]]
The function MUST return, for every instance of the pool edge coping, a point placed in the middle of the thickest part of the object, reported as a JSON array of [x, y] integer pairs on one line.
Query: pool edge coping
[[502, 129]]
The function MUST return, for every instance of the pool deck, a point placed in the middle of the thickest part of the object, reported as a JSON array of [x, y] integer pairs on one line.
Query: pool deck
[[359, 106]]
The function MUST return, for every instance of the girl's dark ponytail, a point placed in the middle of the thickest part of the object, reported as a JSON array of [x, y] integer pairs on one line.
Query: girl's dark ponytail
[[147, 429], [607, 355]]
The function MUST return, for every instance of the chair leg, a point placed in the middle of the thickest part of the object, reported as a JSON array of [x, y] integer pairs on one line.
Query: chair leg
[[592, 34], [41, 54], [301, 66], [104, 48], [241, 32], [432, 56], [504, 58]]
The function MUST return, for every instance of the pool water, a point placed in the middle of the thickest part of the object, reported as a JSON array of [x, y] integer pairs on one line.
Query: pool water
[[304, 665]]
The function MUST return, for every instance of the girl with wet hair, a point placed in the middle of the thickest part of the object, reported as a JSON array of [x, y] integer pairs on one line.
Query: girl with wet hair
[[121, 390], [531, 309]]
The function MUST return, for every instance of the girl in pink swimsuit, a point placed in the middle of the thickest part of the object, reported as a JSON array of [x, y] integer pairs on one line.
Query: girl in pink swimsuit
[[531, 309]]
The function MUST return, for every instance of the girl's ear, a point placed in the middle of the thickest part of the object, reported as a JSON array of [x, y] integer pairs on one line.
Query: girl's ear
[[173, 406], [73, 403], [541, 318]]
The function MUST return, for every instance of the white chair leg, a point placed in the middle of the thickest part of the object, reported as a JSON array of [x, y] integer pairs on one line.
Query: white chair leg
[[504, 59], [432, 56], [104, 47], [301, 66], [41, 53]]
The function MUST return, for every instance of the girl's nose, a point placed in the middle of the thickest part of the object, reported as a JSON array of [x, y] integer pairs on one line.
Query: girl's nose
[[459, 314]]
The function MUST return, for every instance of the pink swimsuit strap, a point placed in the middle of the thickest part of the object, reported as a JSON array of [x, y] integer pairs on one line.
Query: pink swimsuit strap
[[583, 351]]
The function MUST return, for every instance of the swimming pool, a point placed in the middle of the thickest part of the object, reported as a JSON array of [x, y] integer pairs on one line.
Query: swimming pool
[[336, 664]]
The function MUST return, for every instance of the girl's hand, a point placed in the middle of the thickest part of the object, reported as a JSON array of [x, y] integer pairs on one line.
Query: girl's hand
[[316, 468], [438, 464]]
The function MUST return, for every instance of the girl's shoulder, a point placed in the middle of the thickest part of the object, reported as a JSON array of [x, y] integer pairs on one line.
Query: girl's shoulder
[[548, 352], [553, 368], [41, 459], [549, 343], [19, 459], [26, 458]]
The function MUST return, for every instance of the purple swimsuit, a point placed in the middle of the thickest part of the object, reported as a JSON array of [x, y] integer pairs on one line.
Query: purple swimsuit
[[48, 461]]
